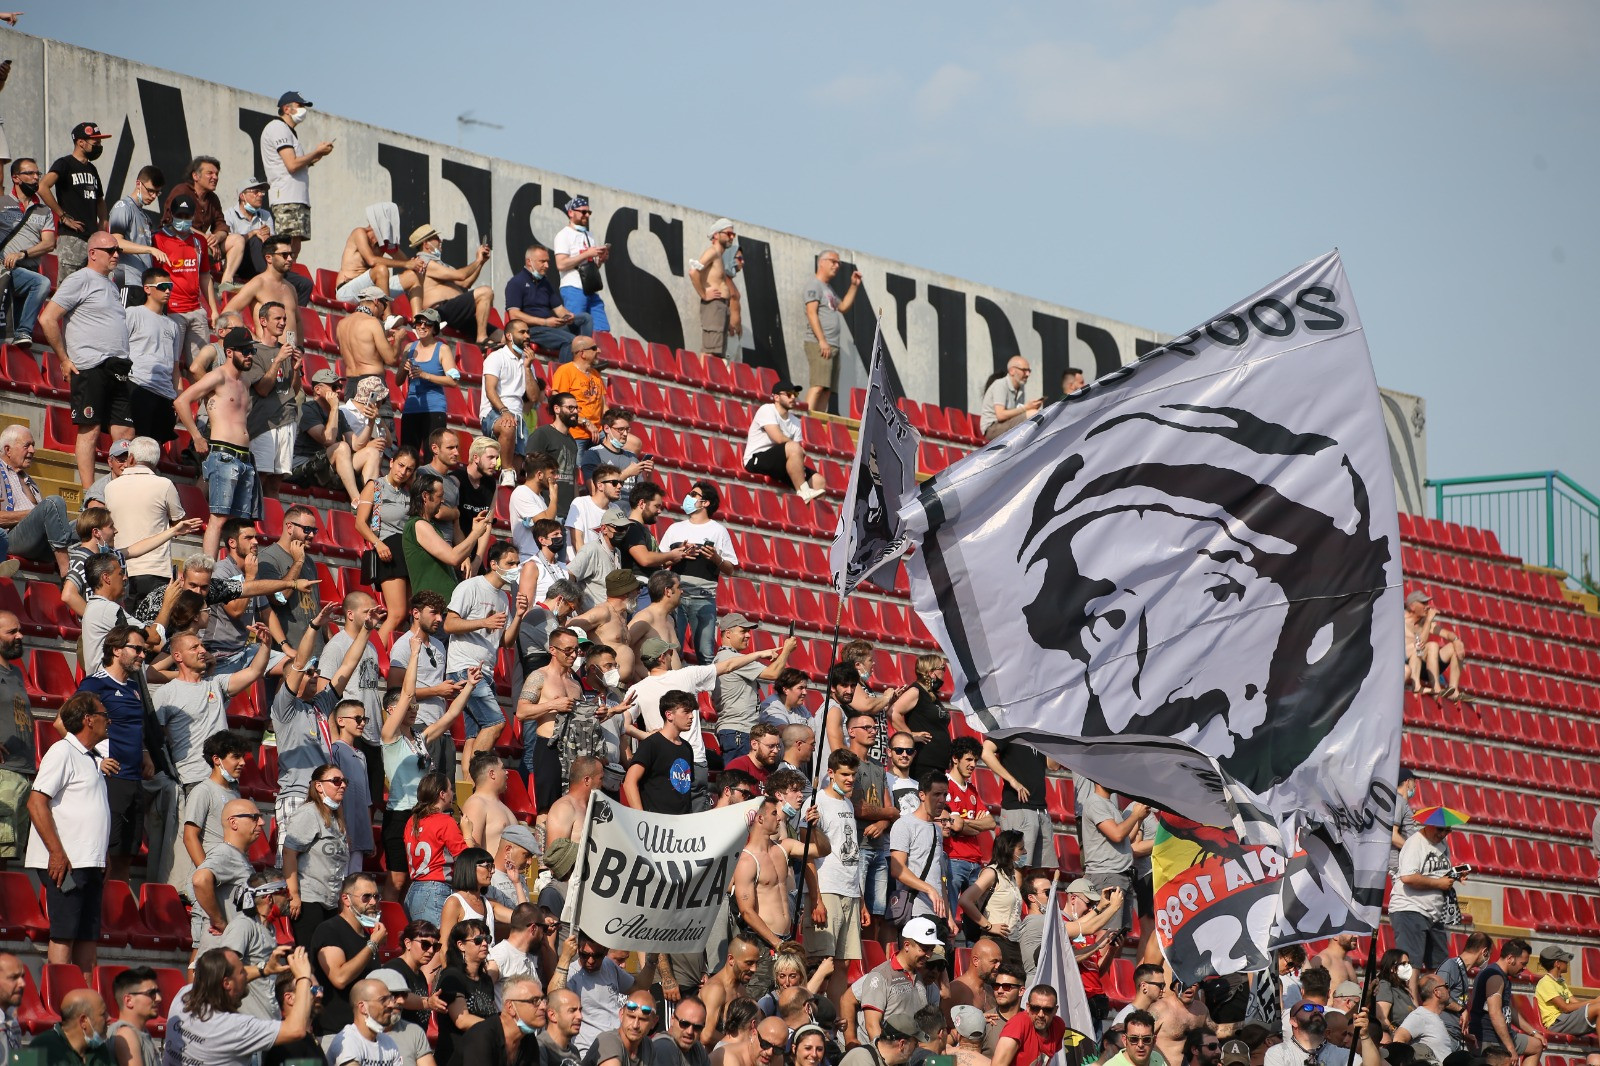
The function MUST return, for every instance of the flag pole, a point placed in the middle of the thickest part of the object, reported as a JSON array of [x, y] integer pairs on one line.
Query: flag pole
[[816, 782], [575, 905], [1367, 979]]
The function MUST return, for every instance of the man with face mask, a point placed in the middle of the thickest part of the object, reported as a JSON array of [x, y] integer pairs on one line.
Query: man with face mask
[[555, 439], [263, 900], [130, 220], [193, 298], [81, 1035], [712, 279], [35, 236], [533, 299], [365, 1041], [709, 557], [344, 949], [617, 446], [509, 386], [17, 765], [73, 191], [451, 291], [288, 169]]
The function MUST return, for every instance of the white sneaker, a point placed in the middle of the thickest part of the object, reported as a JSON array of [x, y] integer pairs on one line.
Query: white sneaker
[[508, 479], [808, 493]]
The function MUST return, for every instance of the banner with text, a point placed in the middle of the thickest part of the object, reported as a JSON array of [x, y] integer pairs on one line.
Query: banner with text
[[655, 882]]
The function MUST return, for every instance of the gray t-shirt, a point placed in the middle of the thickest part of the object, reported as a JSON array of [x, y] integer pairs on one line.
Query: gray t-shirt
[[999, 392], [736, 696], [357, 796], [277, 409], [294, 610], [872, 790], [452, 497], [232, 869], [1100, 855], [323, 852], [223, 1039], [96, 322], [920, 842], [300, 747], [203, 808], [130, 220], [225, 635], [1407, 825], [155, 343], [430, 672], [821, 293], [411, 1039], [365, 684], [254, 940], [191, 711], [348, 1045], [473, 599], [608, 1046]]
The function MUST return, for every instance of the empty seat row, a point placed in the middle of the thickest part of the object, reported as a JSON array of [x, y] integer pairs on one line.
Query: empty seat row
[[1518, 858], [1554, 773], [1436, 533], [945, 423], [1551, 911], [1485, 721], [1511, 809], [1500, 578], [1533, 653]]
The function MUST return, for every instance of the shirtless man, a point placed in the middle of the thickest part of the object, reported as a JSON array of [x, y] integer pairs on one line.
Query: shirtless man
[[1335, 959], [730, 983], [366, 349], [449, 290], [607, 621], [549, 691], [233, 487], [712, 284], [564, 819], [762, 882], [1175, 1016], [270, 285], [364, 262], [666, 593], [484, 814], [972, 987], [969, 1026]]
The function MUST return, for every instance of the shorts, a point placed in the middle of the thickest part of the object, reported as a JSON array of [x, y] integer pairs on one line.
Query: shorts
[[72, 253], [100, 396], [232, 488], [395, 568], [153, 415], [824, 372], [315, 472], [1519, 1039], [196, 329], [273, 450], [875, 880], [460, 312], [126, 800], [521, 443], [483, 706], [14, 820], [1420, 937], [394, 839], [352, 288], [772, 464], [291, 220], [1573, 1023], [1037, 835], [284, 807], [417, 426], [713, 326], [840, 936], [75, 915]]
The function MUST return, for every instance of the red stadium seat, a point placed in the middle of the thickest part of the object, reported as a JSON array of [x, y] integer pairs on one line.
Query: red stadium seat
[[56, 979], [32, 1013], [164, 913], [20, 915], [121, 923]]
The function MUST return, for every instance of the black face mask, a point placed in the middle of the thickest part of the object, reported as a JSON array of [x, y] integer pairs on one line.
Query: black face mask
[[28, 189], [94, 153]]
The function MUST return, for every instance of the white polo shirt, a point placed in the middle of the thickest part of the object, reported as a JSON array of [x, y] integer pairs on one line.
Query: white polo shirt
[[70, 775]]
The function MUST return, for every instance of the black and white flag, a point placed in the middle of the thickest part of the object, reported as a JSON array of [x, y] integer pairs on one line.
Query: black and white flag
[[883, 476], [1184, 583]]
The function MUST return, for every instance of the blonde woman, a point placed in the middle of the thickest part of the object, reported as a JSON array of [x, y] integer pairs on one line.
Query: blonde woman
[[920, 712]]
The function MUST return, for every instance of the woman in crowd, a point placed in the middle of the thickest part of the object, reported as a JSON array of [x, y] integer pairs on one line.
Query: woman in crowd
[[381, 519], [994, 901], [432, 561], [1397, 991], [432, 841], [469, 900], [789, 971], [419, 963], [921, 713], [466, 985], [316, 853], [430, 363]]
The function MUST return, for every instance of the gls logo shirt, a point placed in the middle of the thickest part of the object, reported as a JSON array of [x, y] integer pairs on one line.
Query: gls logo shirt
[[188, 257]]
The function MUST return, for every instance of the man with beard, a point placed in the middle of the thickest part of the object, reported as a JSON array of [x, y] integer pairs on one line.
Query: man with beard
[[555, 440], [1335, 958], [233, 487], [1178, 1016], [73, 191], [17, 765], [205, 1021]]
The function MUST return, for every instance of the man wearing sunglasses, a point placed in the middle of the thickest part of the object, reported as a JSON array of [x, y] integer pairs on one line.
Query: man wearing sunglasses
[[225, 871], [680, 1045], [1309, 1045], [1038, 1033], [625, 1045], [499, 1040], [155, 347]]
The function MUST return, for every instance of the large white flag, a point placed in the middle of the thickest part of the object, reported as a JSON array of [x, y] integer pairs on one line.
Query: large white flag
[[1058, 968], [1184, 583], [883, 476]]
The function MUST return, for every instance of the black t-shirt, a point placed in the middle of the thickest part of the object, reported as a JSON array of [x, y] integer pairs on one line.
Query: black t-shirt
[[1027, 766], [304, 1048], [336, 933], [79, 192], [548, 440], [418, 984], [473, 501], [929, 716], [454, 984], [485, 1045], [668, 774], [638, 535]]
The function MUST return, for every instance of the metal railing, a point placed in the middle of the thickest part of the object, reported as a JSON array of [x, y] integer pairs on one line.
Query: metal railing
[[1544, 516]]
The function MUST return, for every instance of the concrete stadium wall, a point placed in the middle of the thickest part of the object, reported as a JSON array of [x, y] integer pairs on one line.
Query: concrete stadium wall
[[945, 335]]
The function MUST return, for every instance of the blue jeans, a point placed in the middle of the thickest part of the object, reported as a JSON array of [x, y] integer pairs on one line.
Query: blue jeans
[[425, 900], [483, 706], [521, 442], [582, 303], [561, 337], [963, 872], [41, 534], [875, 882], [734, 743], [232, 487], [30, 288], [699, 610]]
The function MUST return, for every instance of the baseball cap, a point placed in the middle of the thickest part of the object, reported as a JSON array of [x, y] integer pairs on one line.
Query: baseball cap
[[920, 929], [238, 339], [581, 634], [785, 386], [429, 315], [898, 1026], [1347, 990], [324, 377], [1554, 954], [251, 183], [424, 232], [88, 131], [1235, 1053], [968, 1021], [1082, 886], [653, 648], [1418, 597], [576, 202], [182, 206], [734, 621], [621, 583], [292, 97], [391, 978], [372, 292], [521, 836], [614, 518], [120, 448], [719, 225]]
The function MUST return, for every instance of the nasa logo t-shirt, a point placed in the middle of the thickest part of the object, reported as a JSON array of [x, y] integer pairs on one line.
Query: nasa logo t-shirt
[[668, 774]]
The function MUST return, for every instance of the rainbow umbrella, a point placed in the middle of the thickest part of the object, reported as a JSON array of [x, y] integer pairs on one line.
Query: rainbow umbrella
[[1441, 817]]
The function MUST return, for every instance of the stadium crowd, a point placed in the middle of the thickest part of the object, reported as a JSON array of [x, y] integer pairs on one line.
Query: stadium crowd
[[175, 318]]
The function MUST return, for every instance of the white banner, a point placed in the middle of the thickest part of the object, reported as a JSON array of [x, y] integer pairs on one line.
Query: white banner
[[1058, 968], [1184, 582], [883, 476], [655, 882]]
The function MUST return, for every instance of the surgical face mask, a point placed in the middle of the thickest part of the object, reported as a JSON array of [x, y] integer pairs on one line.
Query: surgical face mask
[[612, 677], [509, 576], [790, 811], [182, 225], [538, 275], [1404, 971], [379, 1023], [97, 1040], [330, 802], [431, 257], [557, 545], [527, 1030], [229, 778], [367, 920], [864, 672], [299, 114], [691, 504]]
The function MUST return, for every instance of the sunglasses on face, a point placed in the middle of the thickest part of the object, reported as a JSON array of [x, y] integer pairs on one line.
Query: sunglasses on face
[[1003, 986], [336, 782], [1139, 1041], [767, 1045], [162, 286], [904, 751], [479, 940], [1034, 1008], [690, 1027], [427, 945]]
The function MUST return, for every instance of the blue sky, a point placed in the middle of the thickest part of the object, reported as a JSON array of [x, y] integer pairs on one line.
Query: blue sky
[[1148, 162]]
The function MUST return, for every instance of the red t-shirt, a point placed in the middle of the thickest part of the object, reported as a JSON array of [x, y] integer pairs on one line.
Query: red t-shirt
[[1092, 984], [749, 766], [189, 257], [428, 845], [1032, 1045], [966, 802]]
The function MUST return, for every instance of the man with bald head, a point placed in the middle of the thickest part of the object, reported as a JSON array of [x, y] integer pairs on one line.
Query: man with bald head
[[362, 615], [364, 1041], [772, 1040], [498, 1039], [1003, 403], [17, 764], [224, 872], [625, 1045], [194, 705], [564, 1018], [972, 987], [13, 982], [81, 1035]]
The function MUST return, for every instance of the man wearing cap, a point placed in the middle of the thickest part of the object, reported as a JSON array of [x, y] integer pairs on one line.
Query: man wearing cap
[[825, 311], [709, 557], [130, 220], [772, 448], [85, 326], [1431, 646], [509, 887], [449, 290], [711, 277], [1558, 1010], [970, 1025], [233, 488], [1416, 904], [579, 259], [591, 568], [193, 299], [890, 988], [117, 460], [410, 1038], [73, 191], [322, 458], [249, 223], [155, 348], [288, 170], [533, 299]]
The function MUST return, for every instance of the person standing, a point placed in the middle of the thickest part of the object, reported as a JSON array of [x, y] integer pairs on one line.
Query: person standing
[[226, 870], [1023, 805], [709, 557], [916, 855], [194, 297], [233, 488], [345, 948], [73, 191], [1416, 903], [968, 848], [713, 284], [137, 996], [661, 774], [825, 312], [483, 619], [1108, 833], [205, 1026], [288, 169], [365, 687], [579, 259], [116, 684]]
